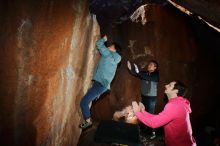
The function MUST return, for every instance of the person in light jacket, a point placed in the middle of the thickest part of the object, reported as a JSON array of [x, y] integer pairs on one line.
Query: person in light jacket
[[102, 78]]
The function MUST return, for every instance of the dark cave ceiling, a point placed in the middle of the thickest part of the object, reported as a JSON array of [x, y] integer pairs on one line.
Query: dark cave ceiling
[[113, 12]]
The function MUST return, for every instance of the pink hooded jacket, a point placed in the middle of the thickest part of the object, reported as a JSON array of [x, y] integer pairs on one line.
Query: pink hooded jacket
[[176, 121]]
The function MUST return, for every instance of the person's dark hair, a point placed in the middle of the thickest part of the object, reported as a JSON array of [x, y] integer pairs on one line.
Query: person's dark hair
[[117, 47], [155, 63], [181, 87]]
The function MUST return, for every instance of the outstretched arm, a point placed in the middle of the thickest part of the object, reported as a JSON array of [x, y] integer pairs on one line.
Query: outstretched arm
[[141, 74], [131, 70], [155, 121], [101, 46]]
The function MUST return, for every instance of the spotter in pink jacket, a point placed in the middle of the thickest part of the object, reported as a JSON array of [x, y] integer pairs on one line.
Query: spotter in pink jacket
[[176, 121]]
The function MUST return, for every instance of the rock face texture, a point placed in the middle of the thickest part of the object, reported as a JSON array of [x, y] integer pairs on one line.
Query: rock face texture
[[48, 54], [47, 58]]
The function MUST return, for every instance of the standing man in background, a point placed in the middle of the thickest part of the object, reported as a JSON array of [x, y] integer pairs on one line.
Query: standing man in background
[[149, 85], [102, 78]]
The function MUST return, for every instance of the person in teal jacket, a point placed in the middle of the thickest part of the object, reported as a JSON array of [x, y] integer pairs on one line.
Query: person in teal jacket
[[102, 78]]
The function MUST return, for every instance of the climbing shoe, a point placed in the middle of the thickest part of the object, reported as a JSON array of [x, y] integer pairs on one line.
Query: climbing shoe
[[85, 125]]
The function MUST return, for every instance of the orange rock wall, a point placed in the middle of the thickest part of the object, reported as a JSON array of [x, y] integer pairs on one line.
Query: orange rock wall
[[47, 58]]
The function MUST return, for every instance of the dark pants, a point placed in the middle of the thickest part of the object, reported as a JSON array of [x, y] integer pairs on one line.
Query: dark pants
[[149, 103], [95, 91]]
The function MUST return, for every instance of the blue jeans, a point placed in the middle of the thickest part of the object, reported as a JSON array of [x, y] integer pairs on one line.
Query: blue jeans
[[149, 103], [96, 90]]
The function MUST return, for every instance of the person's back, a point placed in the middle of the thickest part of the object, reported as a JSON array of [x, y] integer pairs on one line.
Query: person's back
[[102, 78], [106, 68]]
